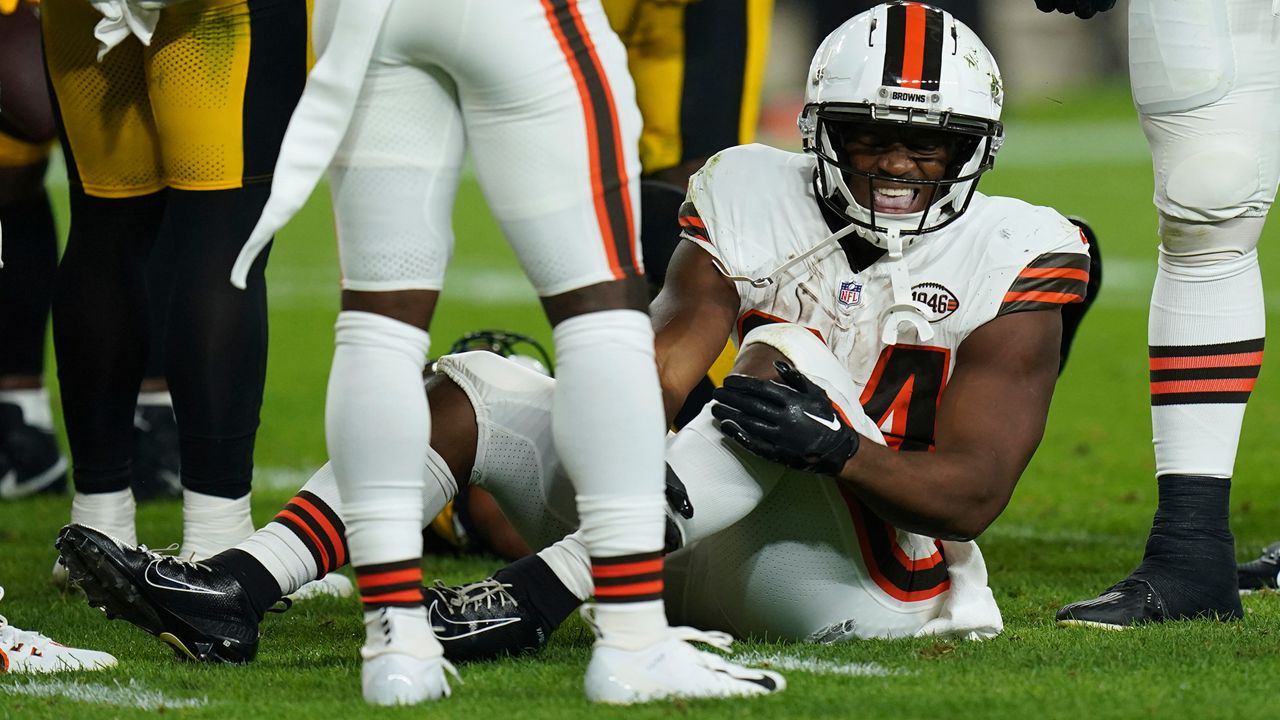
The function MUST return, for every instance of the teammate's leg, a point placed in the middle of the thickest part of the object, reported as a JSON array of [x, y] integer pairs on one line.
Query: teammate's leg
[[1216, 157], [393, 180]]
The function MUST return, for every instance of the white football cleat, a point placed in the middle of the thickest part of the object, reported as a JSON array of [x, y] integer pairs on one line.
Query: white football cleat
[[399, 679], [673, 668], [403, 662], [331, 585], [27, 651]]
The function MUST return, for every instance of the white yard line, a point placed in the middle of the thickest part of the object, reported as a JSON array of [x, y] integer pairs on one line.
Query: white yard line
[[132, 695], [780, 661]]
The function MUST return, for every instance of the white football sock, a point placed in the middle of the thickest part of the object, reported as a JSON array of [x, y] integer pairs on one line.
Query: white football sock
[[377, 426], [607, 417], [1205, 334], [569, 560], [112, 513], [211, 524], [34, 403]]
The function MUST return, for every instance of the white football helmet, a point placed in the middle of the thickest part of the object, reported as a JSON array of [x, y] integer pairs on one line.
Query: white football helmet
[[903, 63]]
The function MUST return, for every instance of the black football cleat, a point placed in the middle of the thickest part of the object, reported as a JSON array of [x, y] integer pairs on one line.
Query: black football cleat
[[156, 463], [1128, 603], [30, 461], [1262, 573], [202, 612], [483, 620]]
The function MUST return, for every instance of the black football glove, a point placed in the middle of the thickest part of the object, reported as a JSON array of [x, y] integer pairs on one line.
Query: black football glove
[[791, 422], [1083, 9]]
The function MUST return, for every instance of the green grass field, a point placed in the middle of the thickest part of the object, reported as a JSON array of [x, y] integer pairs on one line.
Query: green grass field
[[1076, 523]]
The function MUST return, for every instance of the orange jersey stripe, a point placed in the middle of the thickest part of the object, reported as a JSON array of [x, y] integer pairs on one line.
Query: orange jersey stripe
[[299, 523], [1207, 361], [693, 221], [1072, 273], [913, 48], [644, 588], [329, 530], [394, 577], [1211, 385], [398, 596], [644, 567], [1045, 297]]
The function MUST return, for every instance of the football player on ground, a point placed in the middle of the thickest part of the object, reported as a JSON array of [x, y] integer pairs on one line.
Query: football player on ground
[[553, 131], [1206, 82], [171, 142], [30, 461], [876, 297]]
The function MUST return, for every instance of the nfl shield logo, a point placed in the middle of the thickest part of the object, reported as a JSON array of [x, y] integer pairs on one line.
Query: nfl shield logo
[[850, 293]]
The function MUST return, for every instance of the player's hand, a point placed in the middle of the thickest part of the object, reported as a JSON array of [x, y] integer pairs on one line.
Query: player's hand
[[791, 422], [1084, 9]]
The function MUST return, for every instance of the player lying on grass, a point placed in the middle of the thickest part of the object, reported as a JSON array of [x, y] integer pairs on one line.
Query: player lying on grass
[[905, 308]]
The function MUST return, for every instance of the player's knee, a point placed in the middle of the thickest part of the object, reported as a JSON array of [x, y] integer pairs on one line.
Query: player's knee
[[1192, 244], [1210, 180], [805, 351]]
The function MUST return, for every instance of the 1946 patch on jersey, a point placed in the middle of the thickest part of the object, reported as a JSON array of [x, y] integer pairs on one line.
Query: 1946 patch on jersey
[[939, 301]]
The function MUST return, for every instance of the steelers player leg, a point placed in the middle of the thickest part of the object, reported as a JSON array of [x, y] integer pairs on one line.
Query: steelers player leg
[[1216, 153], [224, 76], [100, 297], [30, 461], [559, 169]]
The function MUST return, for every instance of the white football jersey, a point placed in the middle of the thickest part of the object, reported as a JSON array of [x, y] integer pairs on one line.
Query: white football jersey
[[754, 207]]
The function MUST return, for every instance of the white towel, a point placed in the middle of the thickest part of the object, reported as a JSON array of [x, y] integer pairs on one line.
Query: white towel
[[120, 19], [970, 611], [319, 122]]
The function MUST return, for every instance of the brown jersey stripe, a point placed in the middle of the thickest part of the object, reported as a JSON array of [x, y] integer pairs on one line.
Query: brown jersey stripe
[[1008, 308], [609, 181], [1063, 286], [900, 577], [1079, 261]]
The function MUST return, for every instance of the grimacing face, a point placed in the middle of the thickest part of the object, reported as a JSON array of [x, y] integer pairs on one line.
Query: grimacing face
[[896, 151]]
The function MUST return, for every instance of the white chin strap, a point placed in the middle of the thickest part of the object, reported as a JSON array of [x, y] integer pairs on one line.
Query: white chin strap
[[904, 310]]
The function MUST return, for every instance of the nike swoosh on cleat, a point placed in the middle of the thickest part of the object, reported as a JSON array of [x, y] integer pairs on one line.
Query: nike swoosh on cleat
[[1100, 600], [475, 626], [832, 424], [157, 579]]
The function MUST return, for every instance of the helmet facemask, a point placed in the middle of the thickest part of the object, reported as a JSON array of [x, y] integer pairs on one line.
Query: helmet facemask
[[972, 144]]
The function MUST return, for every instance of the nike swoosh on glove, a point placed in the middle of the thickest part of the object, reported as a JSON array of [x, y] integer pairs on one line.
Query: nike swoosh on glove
[[791, 422], [1083, 9]]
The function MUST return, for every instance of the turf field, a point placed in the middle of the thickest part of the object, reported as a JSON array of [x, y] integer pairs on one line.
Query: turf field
[[1076, 523]]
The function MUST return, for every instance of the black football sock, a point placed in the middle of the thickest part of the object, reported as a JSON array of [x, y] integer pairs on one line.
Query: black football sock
[[536, 586], [216, 337], [1190, 556], [258, 584], [100, 331]]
